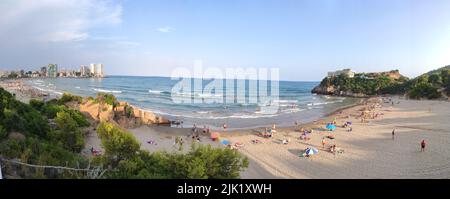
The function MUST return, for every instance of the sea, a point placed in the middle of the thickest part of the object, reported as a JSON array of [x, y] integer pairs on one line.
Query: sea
[[294, 103]]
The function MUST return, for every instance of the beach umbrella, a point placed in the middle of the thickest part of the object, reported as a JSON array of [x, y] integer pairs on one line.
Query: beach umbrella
[[331, 127], [311, 151], [225, 142]]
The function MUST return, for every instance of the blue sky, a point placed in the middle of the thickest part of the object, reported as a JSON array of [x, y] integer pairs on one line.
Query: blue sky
[[304, 39]]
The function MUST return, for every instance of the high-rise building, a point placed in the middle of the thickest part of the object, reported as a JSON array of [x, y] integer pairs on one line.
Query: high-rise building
[[92, 70], [84, 71], [97, 70], [43, 71], [52, 70]]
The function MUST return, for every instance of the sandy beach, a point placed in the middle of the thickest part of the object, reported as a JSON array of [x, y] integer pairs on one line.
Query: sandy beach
[[368, 151]]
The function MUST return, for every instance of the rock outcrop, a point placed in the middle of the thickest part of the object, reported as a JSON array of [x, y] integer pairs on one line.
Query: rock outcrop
[[359, 84], [123, 114]]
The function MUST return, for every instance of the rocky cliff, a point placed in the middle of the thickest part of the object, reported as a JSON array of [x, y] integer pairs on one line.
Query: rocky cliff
[[361, 85], [122, 114]]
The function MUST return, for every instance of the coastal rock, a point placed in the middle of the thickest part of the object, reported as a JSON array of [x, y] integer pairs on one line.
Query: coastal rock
[[163, 121], [91, 109], [106, 114], [129, 123], [149, 118], [329, 90]]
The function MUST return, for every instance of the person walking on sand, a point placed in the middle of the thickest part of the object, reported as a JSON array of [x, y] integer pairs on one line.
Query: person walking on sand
[[323, 142], [393, 134], [422, 146]]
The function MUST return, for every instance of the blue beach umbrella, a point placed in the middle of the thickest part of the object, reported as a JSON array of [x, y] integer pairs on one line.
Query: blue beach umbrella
[[225, 142], [311, 151], [331, 127]]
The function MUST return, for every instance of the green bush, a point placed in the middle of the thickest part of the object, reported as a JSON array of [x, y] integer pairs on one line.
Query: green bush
[[67, 97], [3, 132], [128, 111], [68, 133], [118, 144], [106, 98], [424, 90], [37, 104]]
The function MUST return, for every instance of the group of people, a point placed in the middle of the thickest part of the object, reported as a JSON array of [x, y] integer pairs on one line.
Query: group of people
[[269, 132], [195, 135]]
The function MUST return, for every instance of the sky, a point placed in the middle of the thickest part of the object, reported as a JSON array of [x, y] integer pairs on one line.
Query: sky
[[303, 38]]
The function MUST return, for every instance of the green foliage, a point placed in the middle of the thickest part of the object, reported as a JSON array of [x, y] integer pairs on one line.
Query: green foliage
[[118, 144], [50, 110], [435, 79], [3, 132], [68, 133], [37, 104], [201, 162], [424, 90], [425, 86], [128, 111], [17, 116], [66, 97], [361, 84], [41, 145], [106, 98], [13, 75]]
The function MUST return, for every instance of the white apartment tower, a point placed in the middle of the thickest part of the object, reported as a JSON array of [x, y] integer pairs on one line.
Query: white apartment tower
[[92, 69], [97, 70]]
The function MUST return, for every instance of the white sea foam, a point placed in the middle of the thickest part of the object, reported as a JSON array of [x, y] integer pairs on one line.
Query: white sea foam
[[106, 91], [155, 91]]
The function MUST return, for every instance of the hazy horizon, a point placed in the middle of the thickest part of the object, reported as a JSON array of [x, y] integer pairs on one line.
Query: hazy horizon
[[304, 39]]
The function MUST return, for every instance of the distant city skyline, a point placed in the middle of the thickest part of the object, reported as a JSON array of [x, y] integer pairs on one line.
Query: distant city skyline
[[304, 39]]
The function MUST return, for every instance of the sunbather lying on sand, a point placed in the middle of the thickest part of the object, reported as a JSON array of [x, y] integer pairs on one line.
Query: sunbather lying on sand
[[286, 141]]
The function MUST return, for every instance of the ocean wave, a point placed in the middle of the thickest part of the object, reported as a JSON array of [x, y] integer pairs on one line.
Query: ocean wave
[[203, 112], [41, 89], [155, 91], [106, 91], [324, 103]]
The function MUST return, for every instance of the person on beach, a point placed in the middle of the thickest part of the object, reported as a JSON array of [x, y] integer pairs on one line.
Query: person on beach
[[224, 127], [323, 142], [422, 146], [393, 134]]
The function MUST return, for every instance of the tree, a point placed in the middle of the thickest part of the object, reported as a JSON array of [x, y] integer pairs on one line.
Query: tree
[[435, 79], [67, 97], [424, 90], [68, 132], [3, 132], [118, 144]]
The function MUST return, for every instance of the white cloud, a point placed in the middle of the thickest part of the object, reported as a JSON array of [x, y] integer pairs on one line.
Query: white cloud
[[165, 29], [56, 20]]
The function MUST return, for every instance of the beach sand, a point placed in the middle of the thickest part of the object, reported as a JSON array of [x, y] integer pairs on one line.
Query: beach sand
[[369, 150]]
